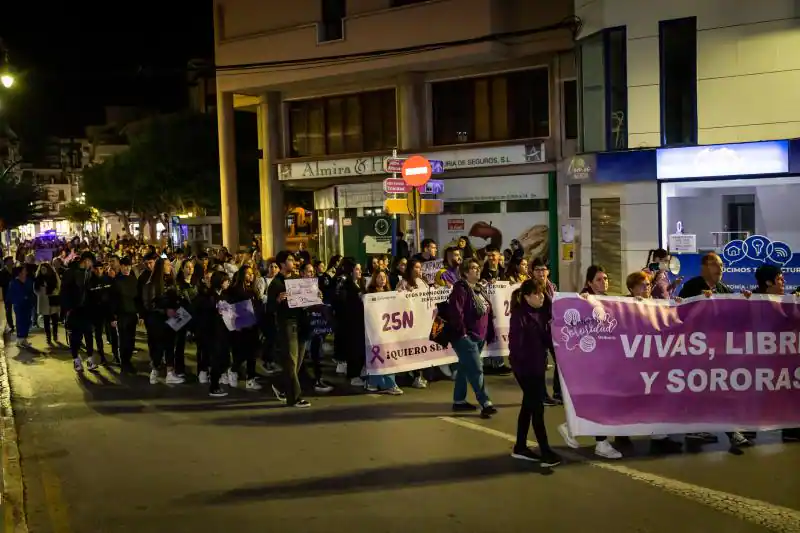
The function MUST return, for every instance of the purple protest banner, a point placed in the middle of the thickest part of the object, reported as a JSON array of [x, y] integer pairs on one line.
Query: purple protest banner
[[633, 367]]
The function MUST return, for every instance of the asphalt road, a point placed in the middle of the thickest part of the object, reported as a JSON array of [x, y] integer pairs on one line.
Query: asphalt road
[[104, 454]]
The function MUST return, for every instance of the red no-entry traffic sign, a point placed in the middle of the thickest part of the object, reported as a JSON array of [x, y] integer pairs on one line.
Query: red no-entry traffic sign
[[416, 171]]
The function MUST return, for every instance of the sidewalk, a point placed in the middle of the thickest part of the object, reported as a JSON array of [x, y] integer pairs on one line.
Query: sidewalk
[[13, 492]]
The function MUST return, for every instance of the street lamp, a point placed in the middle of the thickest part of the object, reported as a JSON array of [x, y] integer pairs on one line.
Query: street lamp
[[6, 77]]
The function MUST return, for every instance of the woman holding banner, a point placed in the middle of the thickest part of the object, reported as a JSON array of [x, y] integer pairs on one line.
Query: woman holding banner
[[596, 284], [770, 281], [413, 281], [470, 317], [386, 383]]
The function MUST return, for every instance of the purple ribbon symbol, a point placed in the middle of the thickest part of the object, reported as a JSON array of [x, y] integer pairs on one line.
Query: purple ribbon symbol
[[376, 354]]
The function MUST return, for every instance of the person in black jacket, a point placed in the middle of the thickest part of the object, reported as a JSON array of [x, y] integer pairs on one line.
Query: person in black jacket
[[158, 301], [212, 334], [287, 341], [244, 342], [187, 293], [709, 282], [204, 316], [123, 318], [75, 301], [5, 281], [101, 309]]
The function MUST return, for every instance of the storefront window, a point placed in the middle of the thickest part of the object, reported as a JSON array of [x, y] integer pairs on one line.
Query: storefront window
[[509, 106], [364, 122], [749, 222], [604, 91]]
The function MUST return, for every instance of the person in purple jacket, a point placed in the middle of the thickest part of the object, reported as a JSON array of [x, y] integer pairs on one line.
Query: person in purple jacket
[[529, 341], [470, 319]]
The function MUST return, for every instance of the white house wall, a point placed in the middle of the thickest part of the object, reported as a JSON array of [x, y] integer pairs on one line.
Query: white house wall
[[748, 68]]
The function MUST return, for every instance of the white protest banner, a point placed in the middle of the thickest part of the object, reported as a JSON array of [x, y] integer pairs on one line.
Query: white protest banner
[[500, 297], [302, 292], [181, 318], [398, 327]]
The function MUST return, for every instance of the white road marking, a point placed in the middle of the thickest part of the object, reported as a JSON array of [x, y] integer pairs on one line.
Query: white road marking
[[773, 517]]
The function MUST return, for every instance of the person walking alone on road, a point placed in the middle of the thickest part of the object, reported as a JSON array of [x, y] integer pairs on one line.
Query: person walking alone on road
[[529, 341], [21, 295]]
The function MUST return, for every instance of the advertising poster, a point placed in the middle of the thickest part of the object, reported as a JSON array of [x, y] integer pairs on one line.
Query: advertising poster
[[498, 230], [741, 258]]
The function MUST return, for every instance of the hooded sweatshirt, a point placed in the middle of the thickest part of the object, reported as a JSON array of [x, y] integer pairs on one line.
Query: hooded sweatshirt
[[529, 339]]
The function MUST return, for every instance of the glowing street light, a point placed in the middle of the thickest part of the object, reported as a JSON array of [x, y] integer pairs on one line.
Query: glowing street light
[[7, 80]]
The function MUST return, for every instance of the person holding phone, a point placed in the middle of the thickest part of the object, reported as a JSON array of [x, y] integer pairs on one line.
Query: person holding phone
[[658, 266]]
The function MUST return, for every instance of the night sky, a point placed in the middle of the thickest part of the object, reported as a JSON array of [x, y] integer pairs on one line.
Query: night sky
[[73, 58]]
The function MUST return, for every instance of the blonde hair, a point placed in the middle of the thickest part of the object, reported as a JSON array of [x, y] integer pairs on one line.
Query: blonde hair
[[636, 279]]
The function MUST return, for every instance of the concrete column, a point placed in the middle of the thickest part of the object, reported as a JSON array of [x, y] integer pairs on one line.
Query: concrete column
[[411, 122], [411, 117], [270, 190], [229, 201]]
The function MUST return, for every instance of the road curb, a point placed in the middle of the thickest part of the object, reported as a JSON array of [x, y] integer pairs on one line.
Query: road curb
[[13, 502]]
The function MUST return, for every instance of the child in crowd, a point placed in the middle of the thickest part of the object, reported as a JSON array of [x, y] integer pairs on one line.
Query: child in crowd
[[529, 342]]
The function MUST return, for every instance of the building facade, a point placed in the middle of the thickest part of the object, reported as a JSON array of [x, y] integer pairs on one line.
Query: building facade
[[686, 112], [486, 87]]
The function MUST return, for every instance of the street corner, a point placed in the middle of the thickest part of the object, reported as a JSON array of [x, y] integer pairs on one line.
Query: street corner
[[13, 503]]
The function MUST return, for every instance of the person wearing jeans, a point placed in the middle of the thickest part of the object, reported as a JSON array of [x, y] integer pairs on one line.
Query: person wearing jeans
[[470, 320], [287, 342]]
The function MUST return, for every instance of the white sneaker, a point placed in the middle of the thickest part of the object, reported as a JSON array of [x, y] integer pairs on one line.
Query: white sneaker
[[341, 368], [233, 379], [78, 364], [322, 387], [569, 440], [202, 377], [357, 382], [174, 379], [223, 379], [154, 377], [394, 391], [91, 366], [606, 450], [252, 384], [420, 383]]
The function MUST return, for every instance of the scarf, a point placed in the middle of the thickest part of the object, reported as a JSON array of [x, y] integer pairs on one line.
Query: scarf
[[479, 298]]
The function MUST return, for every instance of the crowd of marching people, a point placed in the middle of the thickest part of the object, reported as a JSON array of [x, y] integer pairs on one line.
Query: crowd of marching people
[[100, 295]]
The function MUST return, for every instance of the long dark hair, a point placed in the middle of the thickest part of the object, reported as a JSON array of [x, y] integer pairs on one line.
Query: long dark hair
[[528, 287], [239, 278], [407, 275], [157, 277], [656, 255]]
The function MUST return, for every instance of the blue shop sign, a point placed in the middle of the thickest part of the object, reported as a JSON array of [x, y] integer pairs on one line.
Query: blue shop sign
[[718, 160], [741, 258]]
